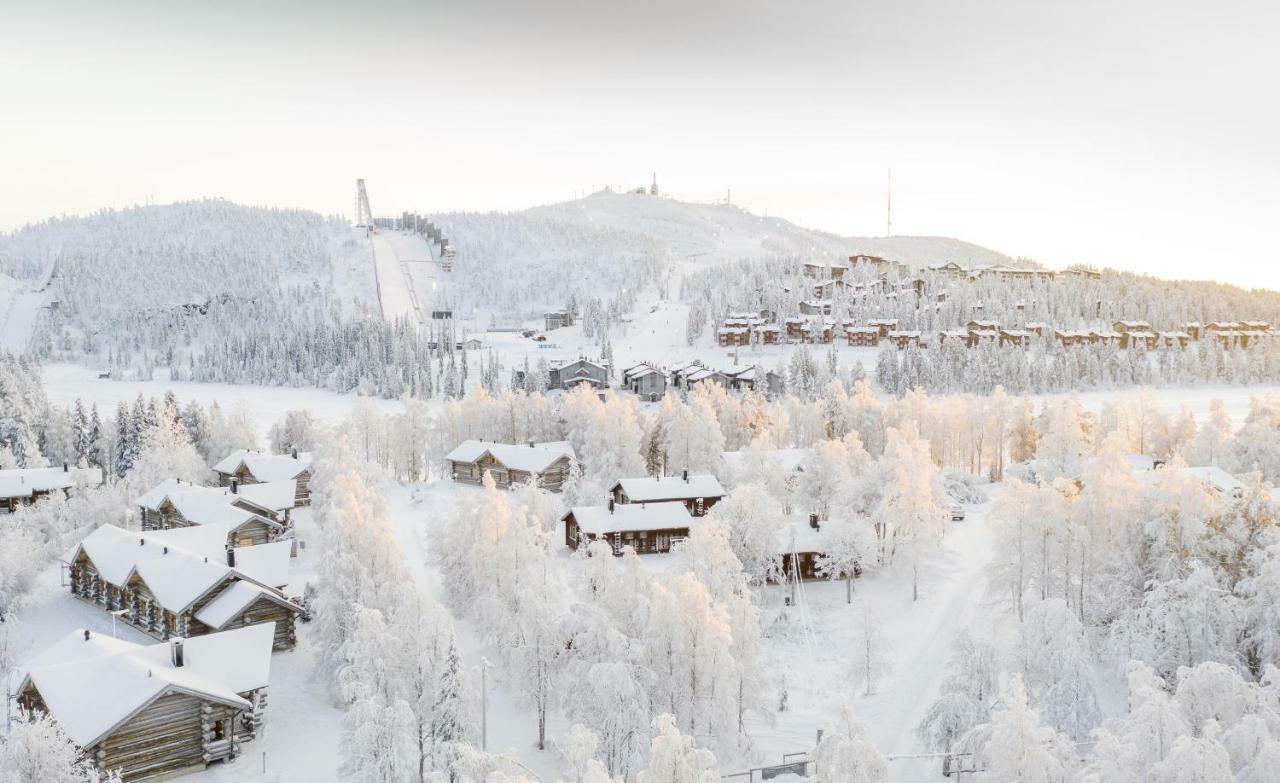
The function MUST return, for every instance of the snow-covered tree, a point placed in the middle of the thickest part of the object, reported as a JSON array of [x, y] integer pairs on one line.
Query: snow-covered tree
[[1020, 748], [673, 757], [37, 750], [845, 755]]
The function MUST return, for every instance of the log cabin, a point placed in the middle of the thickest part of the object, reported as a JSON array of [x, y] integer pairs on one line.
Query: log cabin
[[244, 467], [815, 307], [255, 514], [24, 486], [800, 549], [647, 528], [547, 464], [698, 492], [153, 711], [182, 582]]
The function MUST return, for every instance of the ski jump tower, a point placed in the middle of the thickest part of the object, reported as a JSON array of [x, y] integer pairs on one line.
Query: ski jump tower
[[364, 215]]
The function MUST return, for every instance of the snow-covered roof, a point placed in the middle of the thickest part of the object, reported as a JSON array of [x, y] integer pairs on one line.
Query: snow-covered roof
[[93, 684], [198, 505], [176, 575], [265, 467], [649, 489], [23, 482], [232, 601], [530, 459], [266, 563], [800, 537], [1139, 463], [1217, 478], [627, 517], [271, 495], [202, 505]]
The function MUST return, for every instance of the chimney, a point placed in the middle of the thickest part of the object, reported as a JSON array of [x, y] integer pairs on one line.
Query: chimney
[[175, 650], [610, 505], [685, 475], [813, 521], [66, 468], [235, 486], [231, 556], [86, 634], [294, 453]]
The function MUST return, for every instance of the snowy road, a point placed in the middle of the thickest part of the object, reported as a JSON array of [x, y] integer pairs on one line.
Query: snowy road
[[818, 674]]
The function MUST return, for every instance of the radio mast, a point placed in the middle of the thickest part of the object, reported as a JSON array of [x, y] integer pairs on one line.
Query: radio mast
[[888, 206]]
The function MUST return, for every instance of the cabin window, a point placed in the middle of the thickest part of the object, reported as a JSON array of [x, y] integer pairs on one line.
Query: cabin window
[[219, 729], [244, 541]]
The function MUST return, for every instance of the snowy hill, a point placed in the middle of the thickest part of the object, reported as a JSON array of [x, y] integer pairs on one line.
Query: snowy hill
[[607, 242], [723, 232], [115, 264]]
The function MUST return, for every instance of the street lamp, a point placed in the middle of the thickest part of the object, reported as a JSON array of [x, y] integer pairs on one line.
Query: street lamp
[[484, 703]]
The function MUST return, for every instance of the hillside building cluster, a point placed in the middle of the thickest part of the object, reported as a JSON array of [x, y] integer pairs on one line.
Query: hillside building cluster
[[208, 577]]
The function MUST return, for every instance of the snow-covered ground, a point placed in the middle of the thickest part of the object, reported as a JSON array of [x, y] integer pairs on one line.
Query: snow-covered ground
[[65, 383]]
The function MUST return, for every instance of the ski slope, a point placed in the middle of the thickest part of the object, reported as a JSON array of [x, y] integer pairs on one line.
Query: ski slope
[[408, 275], [19, 320]]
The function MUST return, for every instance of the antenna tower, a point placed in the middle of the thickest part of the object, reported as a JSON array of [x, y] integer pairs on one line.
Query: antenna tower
[[364, 215], [888, 206]]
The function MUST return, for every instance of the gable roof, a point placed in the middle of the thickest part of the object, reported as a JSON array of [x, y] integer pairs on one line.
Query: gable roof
[[23, 482], [265, 467], [177, 576], [599, 520], [530, 459], [1217, 478], [92, 686], [801, 537], [649, 489], [234, 600], [197, 504]]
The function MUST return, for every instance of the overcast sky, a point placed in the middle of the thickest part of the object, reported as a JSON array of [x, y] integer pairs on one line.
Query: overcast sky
[[1140, 135]]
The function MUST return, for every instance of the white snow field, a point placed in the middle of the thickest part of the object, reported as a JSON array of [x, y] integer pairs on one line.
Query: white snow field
[[64, 383]]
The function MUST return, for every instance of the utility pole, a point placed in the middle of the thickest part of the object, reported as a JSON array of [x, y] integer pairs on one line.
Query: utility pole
[[484, 704], [888, 206]]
